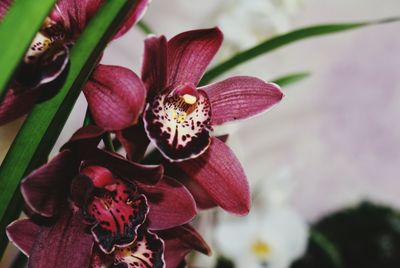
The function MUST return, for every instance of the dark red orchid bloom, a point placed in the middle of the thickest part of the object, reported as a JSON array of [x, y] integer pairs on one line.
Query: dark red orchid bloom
[[93, 195], [164, 248], [180, 116], [42, 70]]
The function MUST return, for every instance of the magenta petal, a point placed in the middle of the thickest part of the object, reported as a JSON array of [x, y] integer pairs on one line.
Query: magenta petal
[[240, 97], [16, 103], [147, 251], [115, 96], [154, 69], [126, 169], [179, 242], [171, 204], [77, 13], [46, 188], [221, 175], [4, 5], [134, 140], [134, 16], [189, 54], [23, 234], [65, 244]]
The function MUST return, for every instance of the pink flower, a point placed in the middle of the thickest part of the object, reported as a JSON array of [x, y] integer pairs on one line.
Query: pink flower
[[93, 196], [180, 116], [43, 69]]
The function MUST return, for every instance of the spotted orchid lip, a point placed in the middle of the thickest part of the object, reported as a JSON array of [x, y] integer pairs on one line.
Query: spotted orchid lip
[[178, 121], [116, 210], [146, 251], [47, 56]]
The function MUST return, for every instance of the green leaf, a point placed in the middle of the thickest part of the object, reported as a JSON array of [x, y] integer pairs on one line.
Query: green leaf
[[144, 27], [41, 129], [16, 34], [282, 40], [290, 78]]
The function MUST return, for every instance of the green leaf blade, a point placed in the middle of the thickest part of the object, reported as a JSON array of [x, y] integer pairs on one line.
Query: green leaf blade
[[17, 34], [289, 79], [43, 126], [283, 40]]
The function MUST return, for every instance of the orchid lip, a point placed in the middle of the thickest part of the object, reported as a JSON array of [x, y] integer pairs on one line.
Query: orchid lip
[[179, 122]]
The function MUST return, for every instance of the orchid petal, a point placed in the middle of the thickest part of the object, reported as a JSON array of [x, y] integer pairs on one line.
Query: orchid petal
[[240, 97], [4, 6], [118, 218], [134, 16], [125, 169], [154, 69], [147, 251], [189, 54], [171, 204], [64, 244], [46, 188], [220, 174], [77, 13], [134, 140], [179, 130], [115, 96], [42, 67], [17, 102], [84, 139], [22, 233], [179, 241]]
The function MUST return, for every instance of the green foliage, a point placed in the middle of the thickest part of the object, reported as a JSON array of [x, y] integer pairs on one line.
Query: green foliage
[[16, 35], [366, 236], [43, 126], [280, 41]]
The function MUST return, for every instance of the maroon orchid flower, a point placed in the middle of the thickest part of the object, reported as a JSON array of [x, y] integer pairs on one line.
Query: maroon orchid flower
[[165, 248], [95, 195], [42, 70], [180, 116]]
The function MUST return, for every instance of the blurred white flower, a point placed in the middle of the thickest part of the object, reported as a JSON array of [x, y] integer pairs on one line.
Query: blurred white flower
[[247, 22], [273, 239], [273, 235]]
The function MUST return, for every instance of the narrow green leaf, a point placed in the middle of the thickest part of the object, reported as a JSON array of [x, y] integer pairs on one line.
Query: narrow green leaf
[[282, 40], [17, 31], [144, 27], [328, 247], [41, 129], [290, 78]]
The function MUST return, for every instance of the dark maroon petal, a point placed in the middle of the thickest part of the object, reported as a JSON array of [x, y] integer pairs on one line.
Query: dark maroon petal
[[125, 169], [77, 13], [171, 204], [189, 54], [47, 188], [64, 244], [44, 66], [147, 251], [4, 5], [178, 123], [101, 260], [179, 242], [22, 233], [118, 216], [134, 16], [84, 140], [240, 97], [154, 69], [16, 103], [221, 175], [115, 96], [134, 140]]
